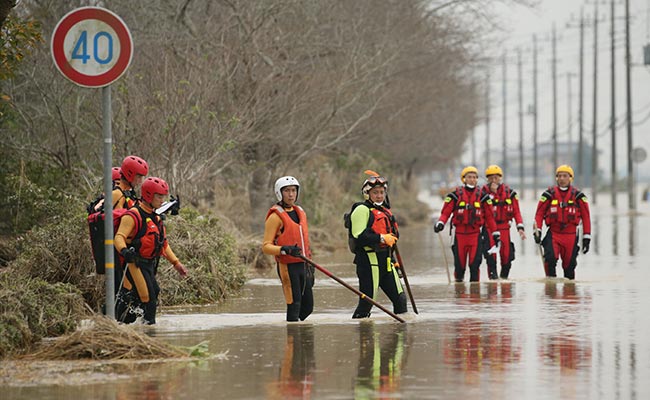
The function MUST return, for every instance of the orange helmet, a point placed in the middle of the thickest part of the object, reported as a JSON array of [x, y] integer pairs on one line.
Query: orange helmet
[[565, 168]]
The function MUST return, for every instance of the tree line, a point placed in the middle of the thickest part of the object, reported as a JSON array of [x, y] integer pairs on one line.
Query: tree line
[[224, 96]]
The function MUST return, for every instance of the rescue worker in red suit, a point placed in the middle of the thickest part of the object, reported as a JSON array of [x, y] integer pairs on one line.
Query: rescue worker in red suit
[[562, 208], [505, 208], [141, 249], [286, 236], [469, 211], [375, 231]]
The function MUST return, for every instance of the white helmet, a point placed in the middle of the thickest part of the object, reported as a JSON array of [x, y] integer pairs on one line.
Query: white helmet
[[372, 182], [284, 182]]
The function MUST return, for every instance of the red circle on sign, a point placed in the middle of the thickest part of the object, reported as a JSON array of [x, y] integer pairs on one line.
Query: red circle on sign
[[111, 19]]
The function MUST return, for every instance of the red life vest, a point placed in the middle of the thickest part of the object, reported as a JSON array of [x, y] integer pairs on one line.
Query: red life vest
[[150, 240], [468, 209], [291, 233], [564, 207], [502, 207], [383, 222]]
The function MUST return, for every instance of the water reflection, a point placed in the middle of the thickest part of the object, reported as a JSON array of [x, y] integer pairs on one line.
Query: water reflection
[[475, 292], [295, 378], [615, 235], [473, 344], [565, 347], [381, 359], [633, 239]]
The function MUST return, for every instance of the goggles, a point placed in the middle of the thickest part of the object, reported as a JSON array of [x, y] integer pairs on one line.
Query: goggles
[[377, 180]]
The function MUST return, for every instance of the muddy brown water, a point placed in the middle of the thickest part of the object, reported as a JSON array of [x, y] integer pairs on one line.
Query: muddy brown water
[[527, 337]]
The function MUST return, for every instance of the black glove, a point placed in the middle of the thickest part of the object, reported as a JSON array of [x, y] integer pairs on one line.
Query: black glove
[[496, 236], [439, 226], [291, 250], [537, 235], [176, 207], [129, 254], [585, 245]]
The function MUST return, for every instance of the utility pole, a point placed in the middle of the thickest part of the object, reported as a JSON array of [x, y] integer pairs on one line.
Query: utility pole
[[612, 120], [628, 62], [521, 123], [535, 166], [571, 156], [474, 145], [487, 118], [504, 159], [581, 169], [554, 72], [594, 137]]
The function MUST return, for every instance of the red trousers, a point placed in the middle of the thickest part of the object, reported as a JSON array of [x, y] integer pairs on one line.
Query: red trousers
[[560, 245], [467, 249]]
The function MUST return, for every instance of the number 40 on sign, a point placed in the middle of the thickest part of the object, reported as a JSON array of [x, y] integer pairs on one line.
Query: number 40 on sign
[[92, 46]]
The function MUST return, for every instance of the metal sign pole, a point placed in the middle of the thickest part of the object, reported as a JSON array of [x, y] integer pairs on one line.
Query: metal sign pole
[[108, 203]]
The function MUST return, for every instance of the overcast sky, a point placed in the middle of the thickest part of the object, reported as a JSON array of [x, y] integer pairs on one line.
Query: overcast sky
[[520, 24]]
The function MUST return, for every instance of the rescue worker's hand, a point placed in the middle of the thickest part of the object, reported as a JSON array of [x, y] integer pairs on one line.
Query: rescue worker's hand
[[291, 250], [180, 268], [129, 254], [496, 236], [439, 226], [176, 207], [585, 245], [521, 232], [388, 239], [537, 235]]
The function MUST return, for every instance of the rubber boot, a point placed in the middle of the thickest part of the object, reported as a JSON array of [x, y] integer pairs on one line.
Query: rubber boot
[[399, 306], [505, 271]]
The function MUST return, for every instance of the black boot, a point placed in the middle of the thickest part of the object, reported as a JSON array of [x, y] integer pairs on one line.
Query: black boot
[[505, 271]]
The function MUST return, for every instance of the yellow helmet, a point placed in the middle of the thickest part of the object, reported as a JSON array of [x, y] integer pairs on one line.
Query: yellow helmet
[[466, 171], [493, 170], [564, 168]]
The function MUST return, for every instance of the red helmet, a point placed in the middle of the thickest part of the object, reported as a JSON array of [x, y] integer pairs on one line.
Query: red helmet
[[152, 186], [132, 166], [116, 173]]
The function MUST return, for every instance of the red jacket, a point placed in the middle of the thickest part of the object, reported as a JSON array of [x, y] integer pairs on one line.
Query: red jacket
[[505, 206], [563, 210], [469, 208]]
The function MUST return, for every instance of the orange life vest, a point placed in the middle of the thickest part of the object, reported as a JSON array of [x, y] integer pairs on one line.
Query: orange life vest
[[468, 209], [383, 222], [150, 240], [291, 233]]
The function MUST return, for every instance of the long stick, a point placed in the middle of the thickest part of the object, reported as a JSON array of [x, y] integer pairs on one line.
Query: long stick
[[358, 293], [406, 279], [541, 249], [444, 254]]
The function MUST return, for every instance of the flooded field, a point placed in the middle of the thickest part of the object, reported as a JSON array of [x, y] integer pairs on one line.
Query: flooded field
[[526, 337]]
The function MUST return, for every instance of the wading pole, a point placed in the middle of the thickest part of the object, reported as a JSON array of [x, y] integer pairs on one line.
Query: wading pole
[[444, 254], [541, 248], [358, 293], [406, 279]]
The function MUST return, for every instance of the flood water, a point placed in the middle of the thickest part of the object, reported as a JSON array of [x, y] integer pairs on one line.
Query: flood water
[[527, 337]]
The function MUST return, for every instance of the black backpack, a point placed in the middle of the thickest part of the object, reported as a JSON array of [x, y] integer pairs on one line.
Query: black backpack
[[347, 222]]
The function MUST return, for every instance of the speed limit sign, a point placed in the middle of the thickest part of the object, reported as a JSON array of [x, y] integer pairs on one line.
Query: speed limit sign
[[91, 46]]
